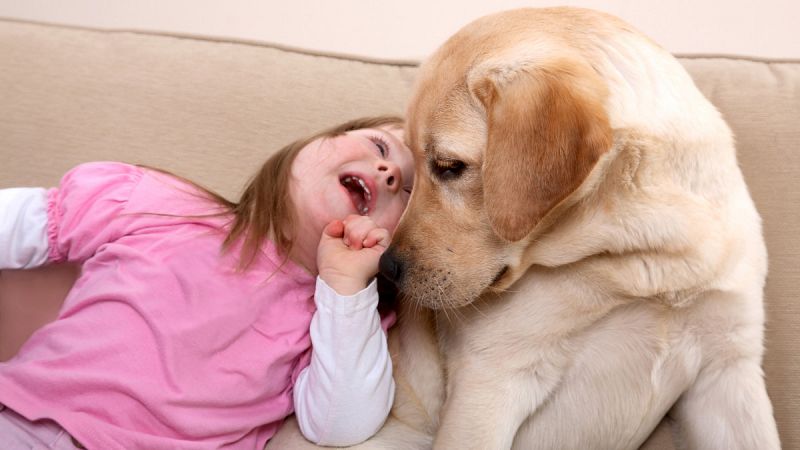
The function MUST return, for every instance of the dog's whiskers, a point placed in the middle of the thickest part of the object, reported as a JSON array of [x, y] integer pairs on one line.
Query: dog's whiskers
[[478, 310]]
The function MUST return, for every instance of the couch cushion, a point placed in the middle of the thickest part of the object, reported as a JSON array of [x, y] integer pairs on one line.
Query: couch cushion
[[212, 110]]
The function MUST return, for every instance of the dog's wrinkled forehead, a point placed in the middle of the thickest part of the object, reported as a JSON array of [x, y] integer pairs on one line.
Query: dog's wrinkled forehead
[[448, 124], [464, 141], [446, 115]]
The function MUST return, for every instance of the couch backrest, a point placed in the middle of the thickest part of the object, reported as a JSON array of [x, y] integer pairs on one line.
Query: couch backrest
[[761, 102], [209, 110], [213, 110]]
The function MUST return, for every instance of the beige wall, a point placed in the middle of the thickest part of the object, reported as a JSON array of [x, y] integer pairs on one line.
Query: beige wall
[[410, 29]]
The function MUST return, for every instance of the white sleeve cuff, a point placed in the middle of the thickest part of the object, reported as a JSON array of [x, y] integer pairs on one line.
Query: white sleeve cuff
[[332, 302], [23, 228]]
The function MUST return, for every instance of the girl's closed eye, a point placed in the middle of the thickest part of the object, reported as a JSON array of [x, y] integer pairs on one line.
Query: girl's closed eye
[[381, 144]]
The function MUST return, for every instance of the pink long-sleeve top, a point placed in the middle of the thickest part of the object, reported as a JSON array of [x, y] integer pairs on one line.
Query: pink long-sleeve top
[[161, 343]]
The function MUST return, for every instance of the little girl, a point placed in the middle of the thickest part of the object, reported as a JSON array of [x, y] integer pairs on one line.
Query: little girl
[[201, 323]]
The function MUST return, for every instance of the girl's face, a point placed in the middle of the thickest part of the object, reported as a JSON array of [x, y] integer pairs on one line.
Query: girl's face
[[367, 172]]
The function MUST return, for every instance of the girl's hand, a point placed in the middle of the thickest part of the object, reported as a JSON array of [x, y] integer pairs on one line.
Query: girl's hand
[[349, 251]]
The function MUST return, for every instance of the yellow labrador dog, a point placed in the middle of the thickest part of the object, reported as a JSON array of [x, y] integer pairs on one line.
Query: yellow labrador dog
[[580, 250]]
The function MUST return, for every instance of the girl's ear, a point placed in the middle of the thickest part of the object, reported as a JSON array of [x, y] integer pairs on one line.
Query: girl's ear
[[545, 134]]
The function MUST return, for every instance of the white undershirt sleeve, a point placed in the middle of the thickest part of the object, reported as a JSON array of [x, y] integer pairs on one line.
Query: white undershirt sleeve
[[23, 228], [344, 396]]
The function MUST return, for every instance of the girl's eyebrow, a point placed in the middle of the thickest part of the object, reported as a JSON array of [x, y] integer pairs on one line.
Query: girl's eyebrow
[[386, 133]]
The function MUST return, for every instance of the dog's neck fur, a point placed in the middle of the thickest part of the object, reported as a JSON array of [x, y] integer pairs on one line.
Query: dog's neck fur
[[615, 201]]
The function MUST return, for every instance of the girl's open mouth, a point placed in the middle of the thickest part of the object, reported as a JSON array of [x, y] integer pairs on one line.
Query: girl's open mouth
[[359, 193]]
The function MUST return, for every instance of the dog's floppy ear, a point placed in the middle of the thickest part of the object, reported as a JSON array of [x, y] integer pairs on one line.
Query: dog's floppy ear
[[547, 127]]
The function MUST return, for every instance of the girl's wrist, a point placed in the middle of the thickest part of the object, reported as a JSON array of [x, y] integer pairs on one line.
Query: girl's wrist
[[344, 285]]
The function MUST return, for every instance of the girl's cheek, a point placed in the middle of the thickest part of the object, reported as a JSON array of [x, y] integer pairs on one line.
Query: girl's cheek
[[396, 216]]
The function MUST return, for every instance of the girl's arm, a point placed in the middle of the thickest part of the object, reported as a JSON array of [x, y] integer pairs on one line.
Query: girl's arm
[[69, 222], [345, 394], [23, 228]]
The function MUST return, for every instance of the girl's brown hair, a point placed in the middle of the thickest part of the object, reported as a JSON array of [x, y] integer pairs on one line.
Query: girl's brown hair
[[265, 209]]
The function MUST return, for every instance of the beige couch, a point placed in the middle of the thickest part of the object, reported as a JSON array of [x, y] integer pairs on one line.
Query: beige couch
[[212, 110]]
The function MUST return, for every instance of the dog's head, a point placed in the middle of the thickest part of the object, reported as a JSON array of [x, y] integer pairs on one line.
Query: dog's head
[[506, 122]]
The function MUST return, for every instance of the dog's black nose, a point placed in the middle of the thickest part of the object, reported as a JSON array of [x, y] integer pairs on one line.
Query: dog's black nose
[[390, 266]]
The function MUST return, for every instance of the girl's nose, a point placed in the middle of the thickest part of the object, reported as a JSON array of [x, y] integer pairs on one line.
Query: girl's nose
[[389, 175]]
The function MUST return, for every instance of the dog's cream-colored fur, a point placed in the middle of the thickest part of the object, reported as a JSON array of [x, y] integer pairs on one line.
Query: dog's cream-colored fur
[[580, 256]]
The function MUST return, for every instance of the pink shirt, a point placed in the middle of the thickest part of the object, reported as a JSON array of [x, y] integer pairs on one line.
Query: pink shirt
[[161, 344]]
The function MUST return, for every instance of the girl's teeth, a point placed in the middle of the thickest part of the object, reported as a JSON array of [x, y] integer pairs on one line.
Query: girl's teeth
[[363, 185]]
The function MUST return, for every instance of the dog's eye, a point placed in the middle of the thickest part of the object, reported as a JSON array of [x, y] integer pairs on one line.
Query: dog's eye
[[448, 169]]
